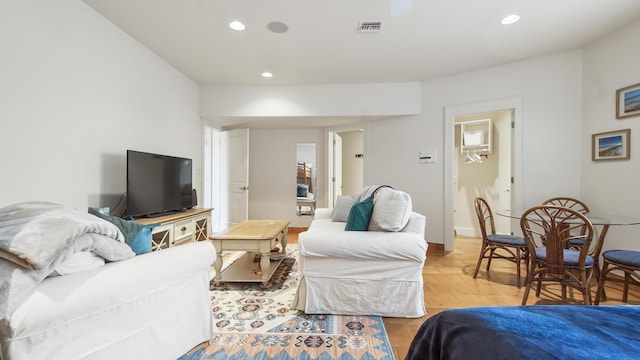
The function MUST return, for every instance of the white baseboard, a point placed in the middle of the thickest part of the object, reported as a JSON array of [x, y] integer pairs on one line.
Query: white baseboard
[[465, 231]]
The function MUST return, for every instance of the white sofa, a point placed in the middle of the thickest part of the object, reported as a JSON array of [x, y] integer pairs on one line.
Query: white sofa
[[361, 272], [151, 306]]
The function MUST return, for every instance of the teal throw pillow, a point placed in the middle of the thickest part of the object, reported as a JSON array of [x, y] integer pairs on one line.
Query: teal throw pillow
[[360, 215], [136, 235]]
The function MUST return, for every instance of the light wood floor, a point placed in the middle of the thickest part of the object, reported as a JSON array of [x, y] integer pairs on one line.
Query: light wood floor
[[449, 283]]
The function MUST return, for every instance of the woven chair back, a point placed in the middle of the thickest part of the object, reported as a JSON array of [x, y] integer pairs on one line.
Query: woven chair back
[[485, 217], [553, 227], [568, 202]]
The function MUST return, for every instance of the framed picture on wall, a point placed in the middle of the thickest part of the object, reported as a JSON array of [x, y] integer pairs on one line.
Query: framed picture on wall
[[628, 101], [610, 145]]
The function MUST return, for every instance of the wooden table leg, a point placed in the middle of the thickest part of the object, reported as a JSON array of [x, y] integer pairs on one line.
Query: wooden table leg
[[284, 243], [596, 257], [217, 265], [265, 264]]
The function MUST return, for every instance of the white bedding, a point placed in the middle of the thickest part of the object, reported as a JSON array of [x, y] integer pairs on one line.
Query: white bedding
[[36, 237], [153, 306], [34, 234]]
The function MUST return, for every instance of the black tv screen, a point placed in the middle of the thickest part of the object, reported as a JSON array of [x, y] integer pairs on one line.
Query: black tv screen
[[157, 184]]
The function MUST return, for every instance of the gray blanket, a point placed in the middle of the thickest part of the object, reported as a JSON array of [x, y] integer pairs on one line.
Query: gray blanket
[[35, 237]]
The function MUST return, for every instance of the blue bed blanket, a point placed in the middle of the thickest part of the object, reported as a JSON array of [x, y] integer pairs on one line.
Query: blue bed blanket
[[530, 332]]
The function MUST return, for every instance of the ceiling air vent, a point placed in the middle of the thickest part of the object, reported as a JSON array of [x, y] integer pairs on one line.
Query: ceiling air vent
[[370, 26]]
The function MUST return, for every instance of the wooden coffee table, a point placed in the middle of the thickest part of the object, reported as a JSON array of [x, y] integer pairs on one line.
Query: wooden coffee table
[[254, 237]]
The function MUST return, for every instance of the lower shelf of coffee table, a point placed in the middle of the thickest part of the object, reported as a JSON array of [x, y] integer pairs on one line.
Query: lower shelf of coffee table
[[244, 269]]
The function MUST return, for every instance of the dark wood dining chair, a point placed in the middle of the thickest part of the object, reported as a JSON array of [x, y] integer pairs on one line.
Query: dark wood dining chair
[[553, 261], [568, 202], [498, 246], [574, 204], [627, 261], [577, 242]]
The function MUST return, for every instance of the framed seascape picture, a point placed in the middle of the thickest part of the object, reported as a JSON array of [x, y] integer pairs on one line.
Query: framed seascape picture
[[628, 101], [610, 145]]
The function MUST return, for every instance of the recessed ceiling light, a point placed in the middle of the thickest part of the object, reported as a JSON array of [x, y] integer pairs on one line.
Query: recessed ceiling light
[[508, 20], [236, 25], [267, 74]]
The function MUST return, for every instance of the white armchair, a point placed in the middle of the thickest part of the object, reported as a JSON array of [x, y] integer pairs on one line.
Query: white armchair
[[361, 272]]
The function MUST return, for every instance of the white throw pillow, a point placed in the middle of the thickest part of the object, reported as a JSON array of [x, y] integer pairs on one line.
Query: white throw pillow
[[391, 210], [367, 191], [343, 206]]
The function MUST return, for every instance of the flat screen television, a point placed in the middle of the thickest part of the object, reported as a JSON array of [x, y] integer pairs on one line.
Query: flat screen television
[[157, 184]]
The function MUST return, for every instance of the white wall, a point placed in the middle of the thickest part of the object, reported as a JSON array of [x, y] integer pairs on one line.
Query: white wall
[[550, 87], [76, 92], [340, 100], [611, 186], [272, 174]]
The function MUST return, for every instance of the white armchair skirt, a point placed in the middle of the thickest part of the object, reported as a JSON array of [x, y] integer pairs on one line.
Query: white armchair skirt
[[383, 288]]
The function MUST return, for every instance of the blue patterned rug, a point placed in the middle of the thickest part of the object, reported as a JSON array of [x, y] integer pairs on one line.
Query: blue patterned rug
[[253, 321]]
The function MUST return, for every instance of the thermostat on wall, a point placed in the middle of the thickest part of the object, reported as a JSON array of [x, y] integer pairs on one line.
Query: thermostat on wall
[[426, 157]]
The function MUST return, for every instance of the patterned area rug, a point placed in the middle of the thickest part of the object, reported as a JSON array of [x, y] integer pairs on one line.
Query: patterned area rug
[[255, 321]]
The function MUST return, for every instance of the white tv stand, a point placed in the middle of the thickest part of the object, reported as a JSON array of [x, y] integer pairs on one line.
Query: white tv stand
[[179, 228]]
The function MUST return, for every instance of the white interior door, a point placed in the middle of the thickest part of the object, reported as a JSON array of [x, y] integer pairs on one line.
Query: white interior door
[[235, 182], [505, 225], [211, 175], [337, 166], [334, 156]]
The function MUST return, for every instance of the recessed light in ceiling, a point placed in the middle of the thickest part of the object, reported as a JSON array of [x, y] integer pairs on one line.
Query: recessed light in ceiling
[[267, 74], [236, 25], [510, 19], [278, 27]]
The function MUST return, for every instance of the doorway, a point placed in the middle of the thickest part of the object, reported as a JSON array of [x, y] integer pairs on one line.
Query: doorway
[[345, 161], [211, 174], [508, 194], [483, 168], [225, 175], [306, 179]]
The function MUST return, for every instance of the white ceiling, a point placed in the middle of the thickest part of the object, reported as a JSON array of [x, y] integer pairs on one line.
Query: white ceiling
[[434, 38]]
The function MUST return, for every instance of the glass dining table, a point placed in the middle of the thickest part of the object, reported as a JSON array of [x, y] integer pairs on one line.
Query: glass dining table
[[604, 220]]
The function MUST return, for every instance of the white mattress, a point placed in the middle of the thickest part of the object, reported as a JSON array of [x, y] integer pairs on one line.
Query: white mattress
[[153, 306]]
